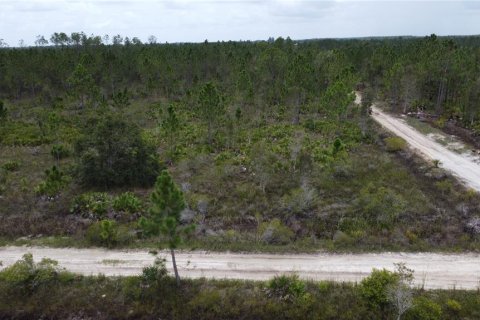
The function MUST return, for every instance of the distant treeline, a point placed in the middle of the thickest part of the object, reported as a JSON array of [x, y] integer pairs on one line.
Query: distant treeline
[[437, 74]]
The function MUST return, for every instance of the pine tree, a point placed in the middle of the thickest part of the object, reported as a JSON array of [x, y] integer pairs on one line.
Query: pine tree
[[83, 85], [164, 215], [3, 112], [210, 107], [170, 125]]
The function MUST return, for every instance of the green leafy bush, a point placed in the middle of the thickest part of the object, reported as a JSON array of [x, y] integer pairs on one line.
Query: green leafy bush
[[395, 144], [424, 309], [155, 274], [59, 151], [374, 288], [380, 206], [127, 202], [91, 205], [17, 133], [300, 200], [287, 288], [453, 307], [445, 186], [54, 182], [111, 152], [11, 165], [26, 276], [275, 232]]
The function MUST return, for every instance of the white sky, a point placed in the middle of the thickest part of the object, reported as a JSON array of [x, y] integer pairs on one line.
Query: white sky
[[197, 20]]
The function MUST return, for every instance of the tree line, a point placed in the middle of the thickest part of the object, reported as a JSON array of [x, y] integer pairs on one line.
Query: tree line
[[437, 74]]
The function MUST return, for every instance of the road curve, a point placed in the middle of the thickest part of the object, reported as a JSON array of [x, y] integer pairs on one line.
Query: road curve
[[432, 271], [460, 165]]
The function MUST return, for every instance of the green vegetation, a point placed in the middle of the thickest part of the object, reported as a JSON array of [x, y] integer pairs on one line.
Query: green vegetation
[[11, 165], [261, 138], [92, 204], [108, 233], [374, 289], [55, 181], [127, 202], [60, 152], [28, 289], [25, 276], [112, 152], [287, 288], [164, 215], [394, 144]]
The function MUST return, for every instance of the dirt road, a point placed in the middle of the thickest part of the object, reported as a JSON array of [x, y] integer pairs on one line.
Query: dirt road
[[431, 270], [460, 165]]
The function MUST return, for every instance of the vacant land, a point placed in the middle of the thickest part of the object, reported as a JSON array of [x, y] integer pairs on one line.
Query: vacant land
[[264, 139]]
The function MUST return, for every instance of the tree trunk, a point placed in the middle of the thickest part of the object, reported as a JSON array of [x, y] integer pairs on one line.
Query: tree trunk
[[177, 277], [210, 133], [441, 92], [296, 117], [440, 97]]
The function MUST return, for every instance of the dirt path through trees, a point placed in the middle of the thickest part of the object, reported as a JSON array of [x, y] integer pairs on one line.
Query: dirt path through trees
[[460, 165], [432, 270]]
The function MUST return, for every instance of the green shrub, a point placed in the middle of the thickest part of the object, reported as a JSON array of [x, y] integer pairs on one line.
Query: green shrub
[[275, 232], [155, 274], [395, 144], [424, 309], [231, 236], [374, 288], [103, 233], [380, 206], [14, 133], [54, 182], [352, 224], [286, 288], [111, 152], [11, 165], [440, 122], [337, 146], [325, 286], [127, 202], [26, 276], [132, 288], [109, 234], [125, 236], [91, 205], [300, 200], [445, 186], [207, 304], [453, 307], [59, 151]]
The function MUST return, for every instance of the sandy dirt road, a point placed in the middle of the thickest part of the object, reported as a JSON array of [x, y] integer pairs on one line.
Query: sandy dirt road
[[460, 165], [431, 270]]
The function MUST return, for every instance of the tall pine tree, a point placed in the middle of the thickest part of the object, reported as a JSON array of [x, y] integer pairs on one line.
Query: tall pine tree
[[164, 215]]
